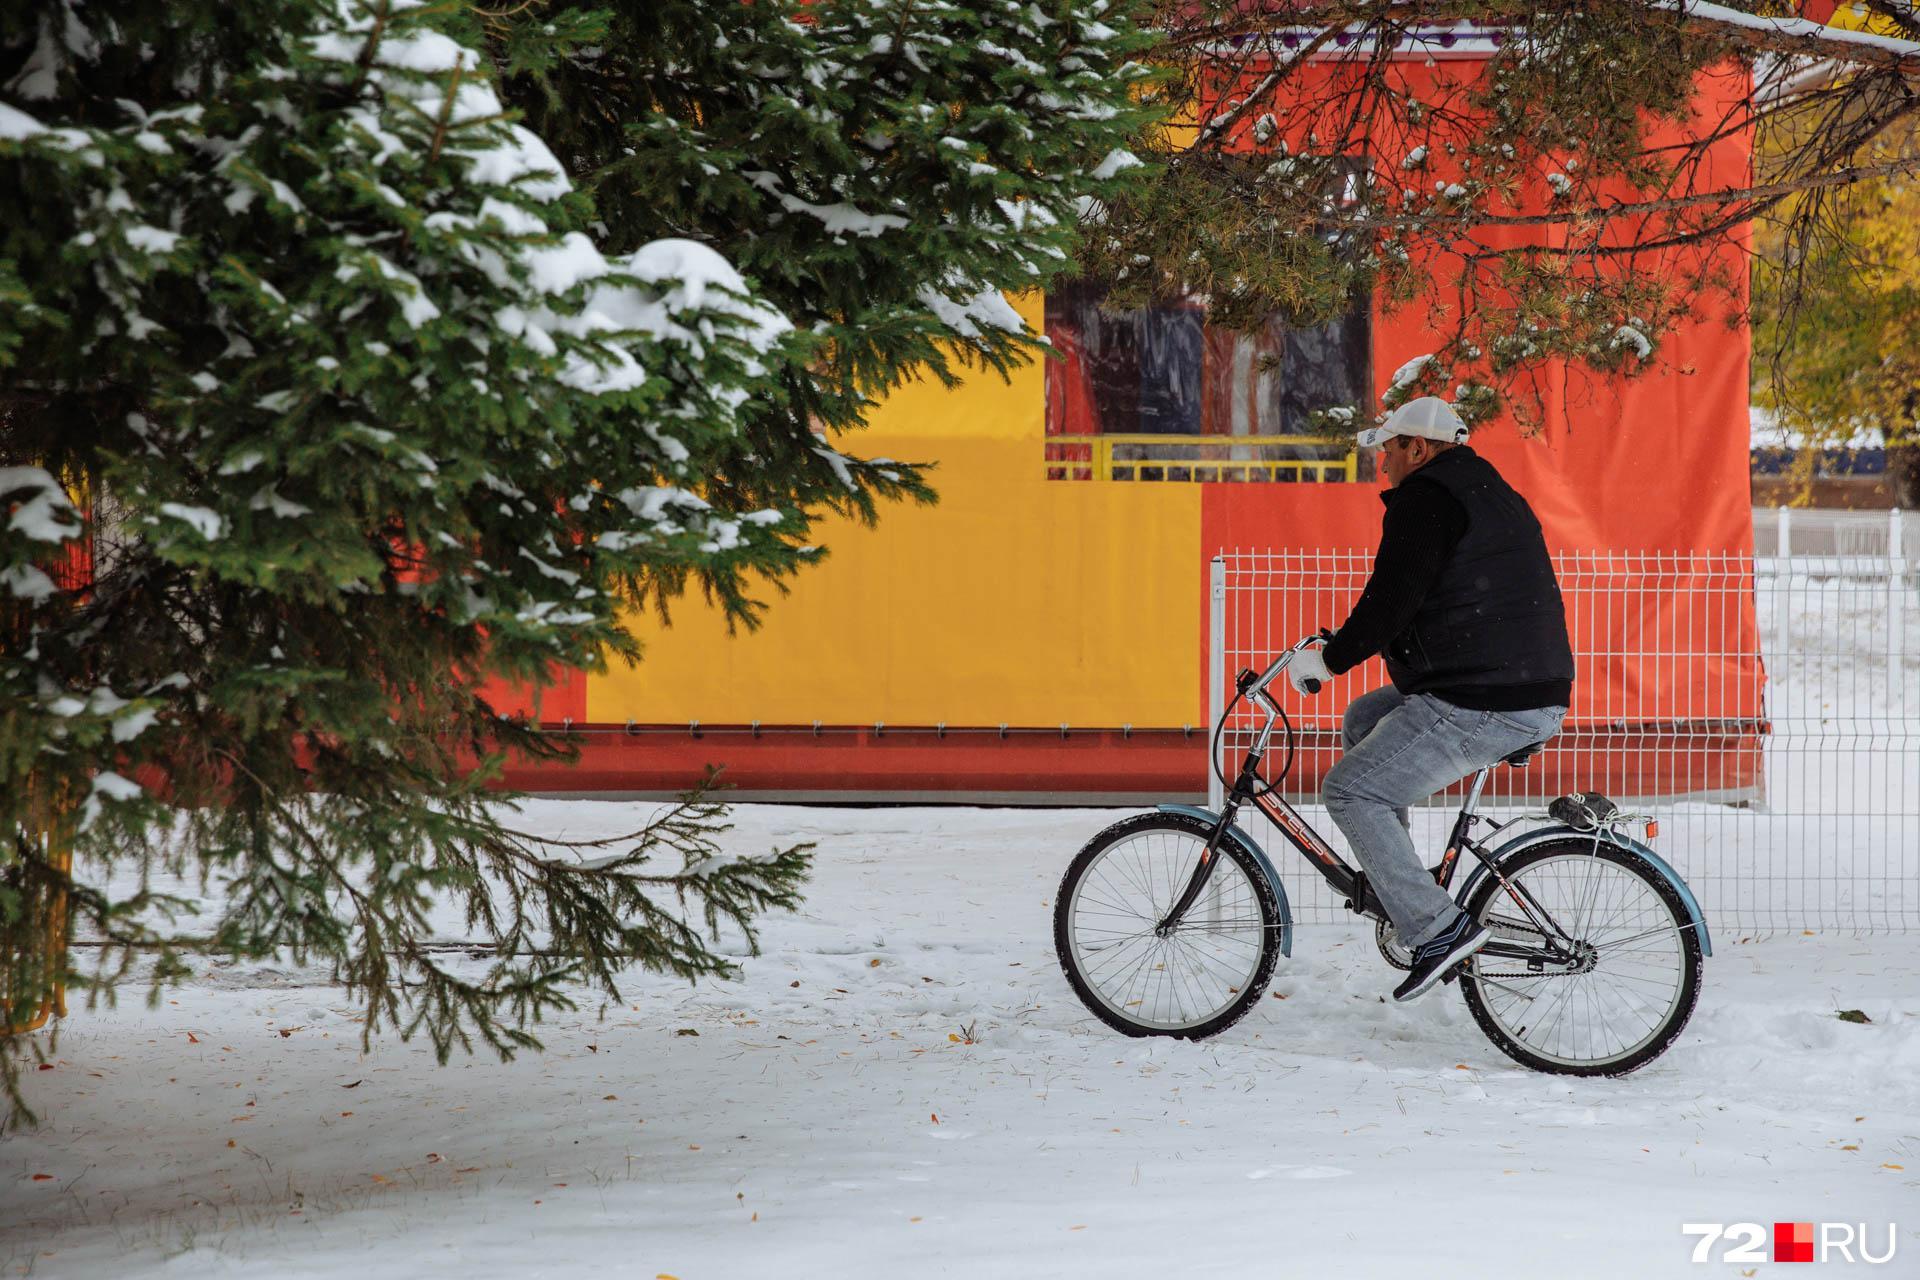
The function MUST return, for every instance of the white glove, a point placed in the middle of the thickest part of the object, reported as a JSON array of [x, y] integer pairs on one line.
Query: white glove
[[1308, 665]]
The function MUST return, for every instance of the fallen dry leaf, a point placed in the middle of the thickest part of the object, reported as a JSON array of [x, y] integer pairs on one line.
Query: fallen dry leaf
[[43, 1177], [354, 1085], [1900, 1167], [874, 963], [936, 1117], [192, 1038]]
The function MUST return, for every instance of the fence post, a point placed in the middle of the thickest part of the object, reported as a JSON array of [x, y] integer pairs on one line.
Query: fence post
[[1216, 671], [1782, 580], [1896, 596]]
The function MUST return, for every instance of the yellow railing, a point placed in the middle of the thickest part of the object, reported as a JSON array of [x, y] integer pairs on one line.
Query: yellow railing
[[1199, 458]]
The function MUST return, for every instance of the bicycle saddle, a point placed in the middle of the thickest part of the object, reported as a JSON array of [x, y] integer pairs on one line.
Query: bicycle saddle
[[1518, 759]]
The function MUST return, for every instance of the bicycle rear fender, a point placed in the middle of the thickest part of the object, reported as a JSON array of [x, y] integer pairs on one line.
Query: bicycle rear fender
[[1521, 843], [1259, 856]]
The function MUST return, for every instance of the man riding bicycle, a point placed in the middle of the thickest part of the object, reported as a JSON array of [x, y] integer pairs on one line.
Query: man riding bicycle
[[1464, 606]]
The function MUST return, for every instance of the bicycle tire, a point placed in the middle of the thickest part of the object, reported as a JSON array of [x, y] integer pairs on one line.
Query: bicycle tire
[[1480, 970], [1188, 830]]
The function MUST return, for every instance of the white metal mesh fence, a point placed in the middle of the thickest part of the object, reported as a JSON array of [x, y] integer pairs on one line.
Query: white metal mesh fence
[[1766, 711], [1800, 533]]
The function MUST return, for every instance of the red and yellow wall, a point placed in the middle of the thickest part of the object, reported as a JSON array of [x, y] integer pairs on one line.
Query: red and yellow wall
[[1030, 637]]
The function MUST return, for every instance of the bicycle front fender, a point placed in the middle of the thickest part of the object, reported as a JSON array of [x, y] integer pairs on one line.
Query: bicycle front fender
[[1260, 859], [1521, 843]]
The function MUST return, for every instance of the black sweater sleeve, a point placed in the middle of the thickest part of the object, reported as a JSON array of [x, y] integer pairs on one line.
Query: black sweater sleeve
[[1422, 525]]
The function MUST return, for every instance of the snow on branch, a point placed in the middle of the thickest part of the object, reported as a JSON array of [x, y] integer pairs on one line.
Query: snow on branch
[[1805, 36]]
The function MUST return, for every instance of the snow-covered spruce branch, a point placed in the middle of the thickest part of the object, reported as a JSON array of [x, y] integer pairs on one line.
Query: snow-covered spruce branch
[[381, 401]]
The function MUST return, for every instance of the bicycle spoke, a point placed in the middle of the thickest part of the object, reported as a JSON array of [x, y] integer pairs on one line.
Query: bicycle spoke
[[1624, 973], [1195, 970]]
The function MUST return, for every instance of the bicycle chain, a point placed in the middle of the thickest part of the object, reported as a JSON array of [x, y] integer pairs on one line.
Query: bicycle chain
[[1508, 928]]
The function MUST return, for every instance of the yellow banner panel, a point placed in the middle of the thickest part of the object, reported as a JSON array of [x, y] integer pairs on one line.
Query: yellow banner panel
[[1014, 600]]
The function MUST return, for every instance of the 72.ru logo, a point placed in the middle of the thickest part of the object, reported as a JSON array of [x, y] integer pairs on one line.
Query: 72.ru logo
[[1792, 1241]]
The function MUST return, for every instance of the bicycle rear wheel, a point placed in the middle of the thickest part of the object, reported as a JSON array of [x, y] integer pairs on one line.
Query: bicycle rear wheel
[[1202, 976], [1638, 973]]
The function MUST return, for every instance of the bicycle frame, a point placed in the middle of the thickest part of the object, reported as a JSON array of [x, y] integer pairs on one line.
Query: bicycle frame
[[1345, 880]]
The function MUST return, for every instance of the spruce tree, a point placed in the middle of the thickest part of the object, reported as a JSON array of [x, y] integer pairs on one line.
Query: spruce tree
[[884, 170], [328, 395]]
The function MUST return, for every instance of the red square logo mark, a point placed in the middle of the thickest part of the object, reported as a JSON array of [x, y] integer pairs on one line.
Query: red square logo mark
[[1793, 1242]]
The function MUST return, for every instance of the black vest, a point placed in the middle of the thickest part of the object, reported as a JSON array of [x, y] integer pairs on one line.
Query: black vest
[[1494, 615]]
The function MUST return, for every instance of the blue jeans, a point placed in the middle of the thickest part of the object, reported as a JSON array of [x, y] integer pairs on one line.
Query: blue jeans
[[1400, 749]]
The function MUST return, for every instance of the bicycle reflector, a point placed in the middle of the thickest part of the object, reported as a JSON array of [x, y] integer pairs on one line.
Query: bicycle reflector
[[1653, 828]]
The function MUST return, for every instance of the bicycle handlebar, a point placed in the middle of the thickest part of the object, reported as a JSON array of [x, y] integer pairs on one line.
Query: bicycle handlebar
[[1259, 686]]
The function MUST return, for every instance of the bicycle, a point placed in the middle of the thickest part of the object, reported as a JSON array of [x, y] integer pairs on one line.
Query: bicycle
[[1170, 923]]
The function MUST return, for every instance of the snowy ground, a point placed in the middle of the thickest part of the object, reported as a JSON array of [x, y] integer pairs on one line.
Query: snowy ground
[[829, 1118]]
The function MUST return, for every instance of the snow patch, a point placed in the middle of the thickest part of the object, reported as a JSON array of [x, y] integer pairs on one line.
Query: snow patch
[[107, 785], [1407, 374], [46, 516], [204, 521]]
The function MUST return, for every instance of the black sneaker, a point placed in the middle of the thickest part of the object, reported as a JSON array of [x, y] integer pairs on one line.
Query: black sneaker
[[1432, 960]]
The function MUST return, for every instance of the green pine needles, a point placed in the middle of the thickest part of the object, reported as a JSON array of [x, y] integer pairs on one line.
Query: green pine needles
[[355, 353]]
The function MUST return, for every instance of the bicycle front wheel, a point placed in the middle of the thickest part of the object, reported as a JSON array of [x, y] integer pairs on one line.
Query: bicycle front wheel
[[1197, 979], [1636, 973]]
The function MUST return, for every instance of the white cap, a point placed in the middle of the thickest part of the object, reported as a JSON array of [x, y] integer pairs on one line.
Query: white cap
[[1428, 417]]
